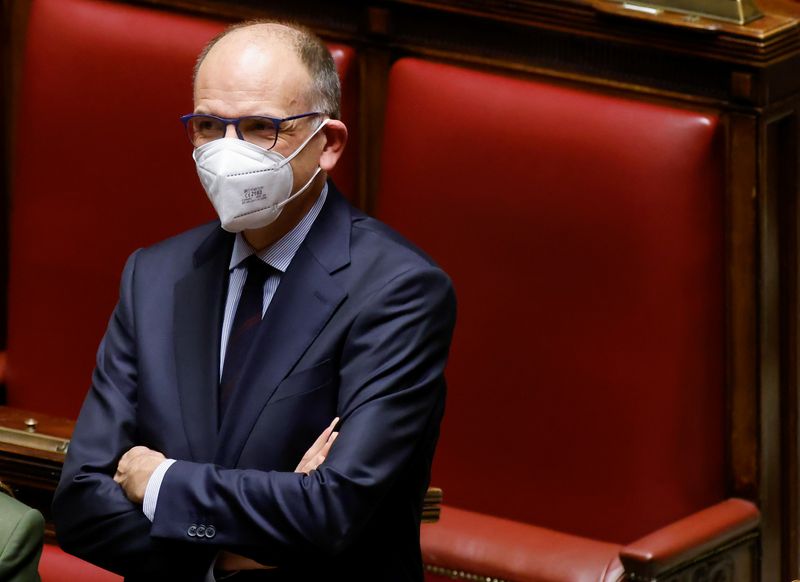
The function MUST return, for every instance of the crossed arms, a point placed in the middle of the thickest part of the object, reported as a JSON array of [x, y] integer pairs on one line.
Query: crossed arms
[[390, 395], [137, 465]]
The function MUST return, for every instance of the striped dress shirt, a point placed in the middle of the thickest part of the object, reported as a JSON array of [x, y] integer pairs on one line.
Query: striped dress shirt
[[278, 255]]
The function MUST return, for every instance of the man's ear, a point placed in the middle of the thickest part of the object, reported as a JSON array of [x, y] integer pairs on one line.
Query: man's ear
[[335, 139]]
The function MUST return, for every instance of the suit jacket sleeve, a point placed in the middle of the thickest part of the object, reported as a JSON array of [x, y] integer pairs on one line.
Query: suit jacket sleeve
[[22, 532], [391, 395], [94, 520]]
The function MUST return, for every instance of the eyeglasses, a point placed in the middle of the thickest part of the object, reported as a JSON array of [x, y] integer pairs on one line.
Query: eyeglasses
[[257, 129]]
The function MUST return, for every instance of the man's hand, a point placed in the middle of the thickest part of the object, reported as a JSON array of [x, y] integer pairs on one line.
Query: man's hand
[[314, 457], [134, 470], [317, 453]]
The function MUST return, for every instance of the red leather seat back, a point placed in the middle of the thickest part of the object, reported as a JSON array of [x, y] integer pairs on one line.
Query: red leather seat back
[[58, 566], [345, 174], [584, 236], [91, 185]]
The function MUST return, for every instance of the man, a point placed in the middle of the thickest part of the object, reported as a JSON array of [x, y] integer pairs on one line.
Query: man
[[184, 453]]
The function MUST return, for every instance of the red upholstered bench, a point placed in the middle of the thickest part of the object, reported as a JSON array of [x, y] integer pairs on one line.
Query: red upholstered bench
[[102, 167], [584, 235], [56, 565]]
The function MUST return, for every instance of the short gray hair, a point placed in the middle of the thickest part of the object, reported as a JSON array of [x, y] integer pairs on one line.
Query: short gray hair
[[326, 92]]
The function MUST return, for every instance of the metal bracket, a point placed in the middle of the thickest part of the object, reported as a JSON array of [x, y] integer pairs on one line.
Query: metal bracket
[[736, 11], [33, 440]]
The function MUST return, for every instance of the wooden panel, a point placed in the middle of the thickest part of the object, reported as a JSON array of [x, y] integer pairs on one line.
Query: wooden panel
[[742, 317], [781, 188]]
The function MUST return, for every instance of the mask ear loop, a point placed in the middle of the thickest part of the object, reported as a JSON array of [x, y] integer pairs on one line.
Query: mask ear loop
[[291, 157], [304, 144], [300, 191]]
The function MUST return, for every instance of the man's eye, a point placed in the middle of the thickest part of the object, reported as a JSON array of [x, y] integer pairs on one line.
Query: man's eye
[[206, 126], [260, 126]]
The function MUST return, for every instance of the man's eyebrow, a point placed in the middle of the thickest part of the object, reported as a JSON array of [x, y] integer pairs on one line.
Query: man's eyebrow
[[205, 111]]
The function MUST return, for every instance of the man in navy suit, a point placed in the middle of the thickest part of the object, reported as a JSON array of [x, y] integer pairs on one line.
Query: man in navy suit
[[182, 464]]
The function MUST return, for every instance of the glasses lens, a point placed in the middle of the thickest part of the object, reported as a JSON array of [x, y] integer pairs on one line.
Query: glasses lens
[[261, 131], [204, 129]]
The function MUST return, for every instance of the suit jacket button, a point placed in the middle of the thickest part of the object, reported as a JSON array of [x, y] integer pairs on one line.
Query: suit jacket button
[[192, 531], [211, 531], [201, 531]]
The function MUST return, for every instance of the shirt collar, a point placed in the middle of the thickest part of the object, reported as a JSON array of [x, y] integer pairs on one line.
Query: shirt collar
[[280, 253]]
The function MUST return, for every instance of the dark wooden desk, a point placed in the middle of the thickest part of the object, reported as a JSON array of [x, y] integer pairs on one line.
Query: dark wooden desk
[[32, 470]]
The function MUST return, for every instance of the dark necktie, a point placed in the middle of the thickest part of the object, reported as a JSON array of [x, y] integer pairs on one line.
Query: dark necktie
[[244, 329]]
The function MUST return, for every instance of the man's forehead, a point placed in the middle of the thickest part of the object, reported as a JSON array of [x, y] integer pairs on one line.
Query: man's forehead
[[253, 54], [267, 37], [250, 66], [266, 29]]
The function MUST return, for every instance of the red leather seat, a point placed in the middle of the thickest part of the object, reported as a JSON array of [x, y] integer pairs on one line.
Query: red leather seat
[[584, 236], [509, 550], [102, 167], [56, 565], [516, 551]]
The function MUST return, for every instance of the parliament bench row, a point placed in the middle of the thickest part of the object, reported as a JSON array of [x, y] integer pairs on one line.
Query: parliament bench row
[[583, 231]]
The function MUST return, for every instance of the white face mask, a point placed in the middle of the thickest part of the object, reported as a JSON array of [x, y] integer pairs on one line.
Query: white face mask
[[248, 185]]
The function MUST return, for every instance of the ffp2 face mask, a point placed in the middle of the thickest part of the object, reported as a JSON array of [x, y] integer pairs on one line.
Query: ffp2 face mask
[[248, 185]]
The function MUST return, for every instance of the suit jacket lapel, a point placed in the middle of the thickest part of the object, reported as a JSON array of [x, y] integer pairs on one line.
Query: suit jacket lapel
[[199, 299], [305, 300]]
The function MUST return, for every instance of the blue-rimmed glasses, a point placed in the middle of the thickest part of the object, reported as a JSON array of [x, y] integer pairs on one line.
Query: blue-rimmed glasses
[[258, 129]]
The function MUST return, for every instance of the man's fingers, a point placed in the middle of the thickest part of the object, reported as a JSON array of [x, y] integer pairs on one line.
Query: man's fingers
[[323, 438], [323, 454], [134, 471], [326, 449], [321, 445], [320, 442], [136, 451], [131, 454]]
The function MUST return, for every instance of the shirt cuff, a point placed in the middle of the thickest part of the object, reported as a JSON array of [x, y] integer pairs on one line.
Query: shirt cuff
[[153, 486]]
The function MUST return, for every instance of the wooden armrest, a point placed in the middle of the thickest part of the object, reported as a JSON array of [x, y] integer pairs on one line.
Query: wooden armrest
[[722, 525]]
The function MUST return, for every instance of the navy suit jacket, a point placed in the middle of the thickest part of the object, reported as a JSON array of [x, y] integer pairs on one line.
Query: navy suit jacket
[[359, 327]]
